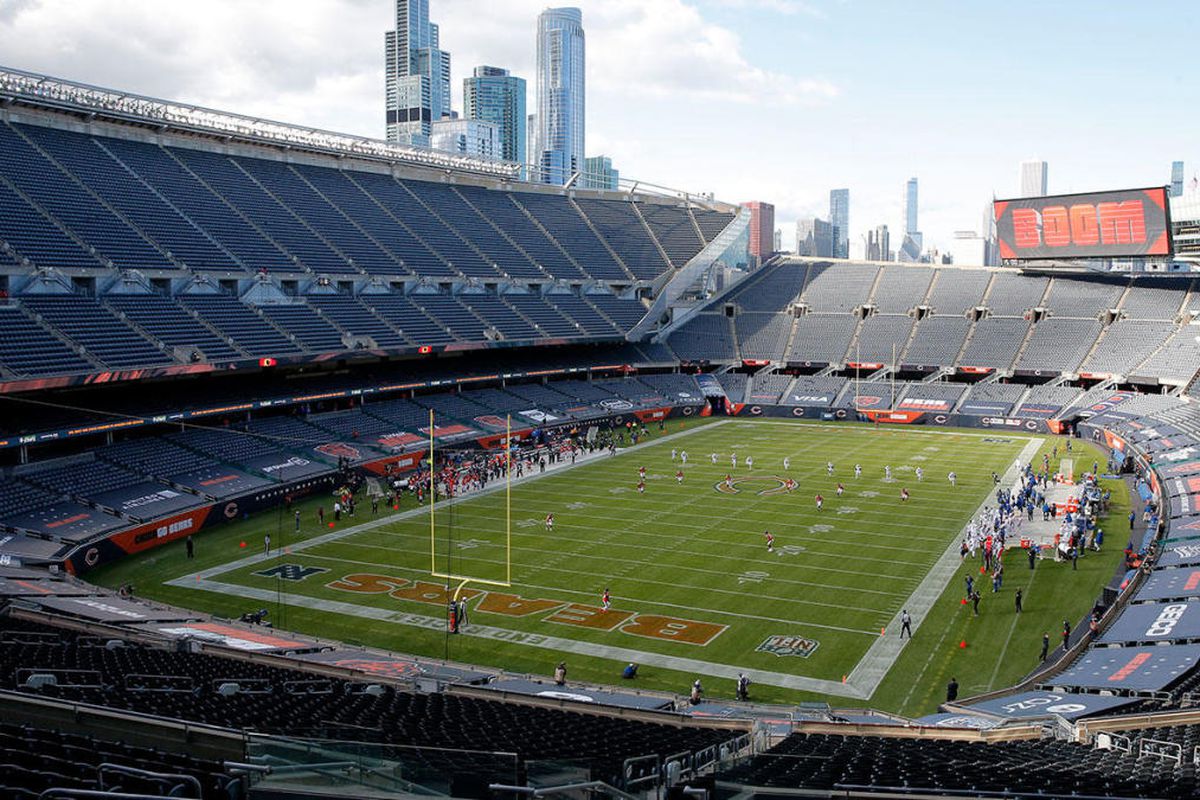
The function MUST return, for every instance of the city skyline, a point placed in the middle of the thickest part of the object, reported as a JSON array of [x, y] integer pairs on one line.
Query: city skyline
[[561, 115], [659, 74]]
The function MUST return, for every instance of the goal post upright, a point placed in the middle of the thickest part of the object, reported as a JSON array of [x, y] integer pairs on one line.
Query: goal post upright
[[448, 575]]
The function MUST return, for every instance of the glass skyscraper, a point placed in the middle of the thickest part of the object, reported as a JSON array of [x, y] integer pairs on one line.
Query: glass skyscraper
[[492, 95], [839, 217], [558, 145], [910, 206], [1033, 178], [416, 74], [1176, 178]]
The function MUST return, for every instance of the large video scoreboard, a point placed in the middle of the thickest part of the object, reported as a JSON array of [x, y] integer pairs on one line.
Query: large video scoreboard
[[1118, 224]]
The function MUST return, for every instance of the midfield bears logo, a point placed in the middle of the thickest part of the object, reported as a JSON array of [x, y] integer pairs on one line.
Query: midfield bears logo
[[291, 572], [340, 450], [788, 646], [774, 485]]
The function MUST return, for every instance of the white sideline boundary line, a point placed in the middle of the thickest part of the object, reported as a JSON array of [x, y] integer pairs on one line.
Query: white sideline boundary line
[[861, 684], [871, 669]]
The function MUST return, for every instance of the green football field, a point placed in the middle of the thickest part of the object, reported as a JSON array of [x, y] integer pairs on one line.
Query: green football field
[[695, 591]]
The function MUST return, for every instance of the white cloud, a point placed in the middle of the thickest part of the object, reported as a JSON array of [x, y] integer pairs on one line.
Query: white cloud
[[787, 7]]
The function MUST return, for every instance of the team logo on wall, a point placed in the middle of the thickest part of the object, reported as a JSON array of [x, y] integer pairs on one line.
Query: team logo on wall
[[867, 401], [339, 450], [616, 404], [688, 411], [91, 557], [755, 410], [798, 411], [788, 646]]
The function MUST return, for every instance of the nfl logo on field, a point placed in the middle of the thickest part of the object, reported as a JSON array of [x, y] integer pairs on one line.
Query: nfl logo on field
[[788, 646]]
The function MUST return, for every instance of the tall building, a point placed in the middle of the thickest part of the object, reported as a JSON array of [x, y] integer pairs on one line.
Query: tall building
[[472, 137], [1176, 178], [492, 95], [762, 229], [416, 74], [1033, 178], [814, 237], [558, 150], [598, 173], [778, 241], [910, 206], [839, 217], [879, 244]]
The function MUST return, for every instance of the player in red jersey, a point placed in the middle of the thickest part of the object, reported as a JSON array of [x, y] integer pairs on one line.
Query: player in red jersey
[[770, 537], [840, 490], [605, 600], [820, 502], [550, 522], [679, 476], [903, 495]]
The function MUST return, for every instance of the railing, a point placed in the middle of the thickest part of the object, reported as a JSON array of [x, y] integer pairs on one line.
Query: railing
[[1167, 751]]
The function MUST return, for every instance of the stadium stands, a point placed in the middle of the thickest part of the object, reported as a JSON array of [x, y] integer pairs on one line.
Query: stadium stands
[[821, 338], [762, 336], [937, 340], [840, 288], [706, 336], [277, 700], [900, 289], [1058, 345], [1023, 768], [995, 342], [954, 292], [881, 338], [27, 348]]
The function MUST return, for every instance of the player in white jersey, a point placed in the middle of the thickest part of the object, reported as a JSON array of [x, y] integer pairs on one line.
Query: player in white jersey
[[749, 462], [920, 474], [683, 457], [953, 479], [787, 463], [887, 472], [713, 458], [829, 468], [733, 460], [673, 453], [858, 470]]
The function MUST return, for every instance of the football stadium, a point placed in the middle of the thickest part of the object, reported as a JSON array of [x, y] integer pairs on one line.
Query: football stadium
[[342, 467]]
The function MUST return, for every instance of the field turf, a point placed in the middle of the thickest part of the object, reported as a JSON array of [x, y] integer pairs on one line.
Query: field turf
[[695, 591]]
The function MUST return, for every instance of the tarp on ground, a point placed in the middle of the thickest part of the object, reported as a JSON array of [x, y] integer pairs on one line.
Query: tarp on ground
[[1043, 703], [68, 520], [220, 481], [286, 468], [38, 587], [580, 695], [1180, 554], [1170, 584], [1146, 623], [109, 609], [16, 549], [145, 501], [947, 720], [1137, 669], [389, 666], [259, 640]]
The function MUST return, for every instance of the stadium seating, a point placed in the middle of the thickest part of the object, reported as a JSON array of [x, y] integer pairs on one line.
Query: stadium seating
[[1084, 299], [102, 334], [1125, 344], [992, 398], [618, 223], [29, 349], [572, 233], [1011, 295], [1047, 401], [503, 317], [881, 338], [995, 342], [163, 319], [768, 389], [937, 341], [1058, 344], [706, 336], [351, 314], [675, 231], [771, 289], [37, 759], [821, 338], [251, 332], [734, 384], [532, 239], [840, 288], [956, 291], [1022, 768], [275, 700], [901, 288], [763, 336]]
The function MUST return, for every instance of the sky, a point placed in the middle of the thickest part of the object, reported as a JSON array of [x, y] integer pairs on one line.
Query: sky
[[774, 100]]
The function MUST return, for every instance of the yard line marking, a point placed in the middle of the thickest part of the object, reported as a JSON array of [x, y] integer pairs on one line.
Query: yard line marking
[[561, 590], [618, 654]]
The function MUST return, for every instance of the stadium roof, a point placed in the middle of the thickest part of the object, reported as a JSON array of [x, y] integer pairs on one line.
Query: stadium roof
[[44, 91]]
